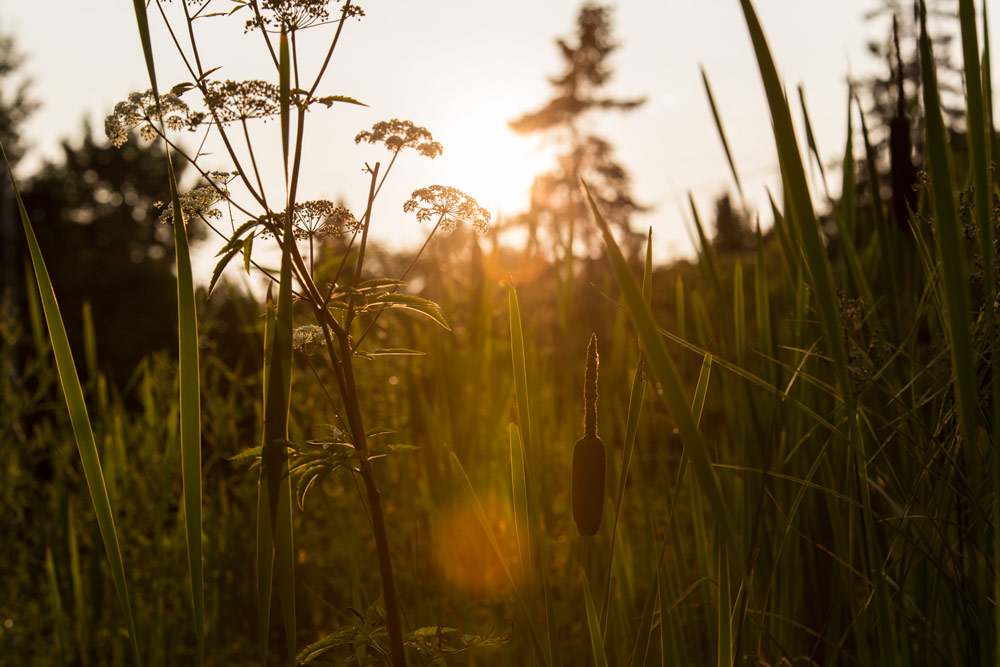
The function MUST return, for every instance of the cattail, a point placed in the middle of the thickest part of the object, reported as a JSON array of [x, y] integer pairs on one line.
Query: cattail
[[588, 455]]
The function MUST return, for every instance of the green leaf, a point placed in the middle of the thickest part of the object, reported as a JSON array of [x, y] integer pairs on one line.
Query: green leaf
[[329, 100], [395, 352], [275, 450], [284, 96], [666, 373], [247, 250], [221, 266], [234, 240], [804, 217], [181, 88], [596, 640], [722, 133], [635, 398], [79, 419], [55, 600], [707, 254], [248, 454], [979, 134], [951, 255], [408, 302], [188, 371], [377, 283], [526, 430], [811, 141]]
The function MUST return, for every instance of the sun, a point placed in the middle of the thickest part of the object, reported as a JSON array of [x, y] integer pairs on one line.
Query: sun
[[485, 159]]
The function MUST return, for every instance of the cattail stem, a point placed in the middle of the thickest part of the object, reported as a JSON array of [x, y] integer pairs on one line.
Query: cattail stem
[[590, 389]]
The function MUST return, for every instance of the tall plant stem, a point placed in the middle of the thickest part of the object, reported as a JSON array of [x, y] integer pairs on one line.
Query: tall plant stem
[[353, 406]]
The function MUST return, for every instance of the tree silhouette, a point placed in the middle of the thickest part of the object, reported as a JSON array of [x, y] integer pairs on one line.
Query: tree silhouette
[[95, 215], [732, 231], [16, 105], [558, 209]]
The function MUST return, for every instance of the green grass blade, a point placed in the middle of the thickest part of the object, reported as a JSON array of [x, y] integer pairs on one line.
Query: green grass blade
[[520, 371], [739, 314], [789, 256], [635, 398], [681, 312], [55, 600], [190, 415], [811, 142], [979, 135], [725, 637], [631, 429], [665, 371], [707, 254], [275, 450], [763, 299], [845, 226], [817, 262], [519, 489], [881, 225], [76, 579], [995, 390], [79, 419], [701, 389], [524, 419], [190, 390], [643, 635], [722, 134], [988, 81], [596, 640], [848, 202], [284, 94], [35, 319], [647, 273], [89, 343], [265, 538], [147, 45], [950, 252]]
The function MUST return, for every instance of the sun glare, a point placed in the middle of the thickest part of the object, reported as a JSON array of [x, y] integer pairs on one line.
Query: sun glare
[[494, 165]]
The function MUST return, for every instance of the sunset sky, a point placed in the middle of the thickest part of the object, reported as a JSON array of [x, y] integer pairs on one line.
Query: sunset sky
[[463, 69]]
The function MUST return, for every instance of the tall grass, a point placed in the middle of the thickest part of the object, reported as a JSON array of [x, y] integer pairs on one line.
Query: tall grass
[[837, 418]]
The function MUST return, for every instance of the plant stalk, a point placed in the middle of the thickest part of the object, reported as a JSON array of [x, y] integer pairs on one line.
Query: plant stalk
[[353, 407]]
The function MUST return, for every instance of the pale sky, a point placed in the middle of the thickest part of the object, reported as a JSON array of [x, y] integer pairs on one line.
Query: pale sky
[[462, 68]]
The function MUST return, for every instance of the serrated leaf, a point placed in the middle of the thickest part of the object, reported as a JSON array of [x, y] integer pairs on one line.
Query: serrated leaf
[[408, 302], [220, 267], [247, 454], [234, 240]]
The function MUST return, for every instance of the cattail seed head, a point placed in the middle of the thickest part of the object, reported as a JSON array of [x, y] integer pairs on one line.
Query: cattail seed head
[[589, 459], [588, 484]]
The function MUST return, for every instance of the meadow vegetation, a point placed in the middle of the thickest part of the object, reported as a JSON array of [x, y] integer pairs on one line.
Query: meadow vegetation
[[375, 466]]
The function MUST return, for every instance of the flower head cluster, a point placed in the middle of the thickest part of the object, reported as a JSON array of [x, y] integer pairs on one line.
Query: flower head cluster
[[450, 206], [242, 100], [321, 218], [198, 203], [399, 134], [307, 338], [140, 110], [295, 14]]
